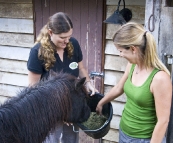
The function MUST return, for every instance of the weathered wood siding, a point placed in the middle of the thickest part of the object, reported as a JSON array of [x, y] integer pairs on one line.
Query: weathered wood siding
[[16, 39], [163, 34], [115, 65]]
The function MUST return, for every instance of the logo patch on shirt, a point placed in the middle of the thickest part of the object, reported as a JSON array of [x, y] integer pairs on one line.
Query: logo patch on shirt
[[73, 65]]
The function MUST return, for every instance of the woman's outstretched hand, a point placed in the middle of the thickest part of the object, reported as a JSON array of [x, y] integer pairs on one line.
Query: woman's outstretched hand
[[68, 124], [99, 109], [90, 87]]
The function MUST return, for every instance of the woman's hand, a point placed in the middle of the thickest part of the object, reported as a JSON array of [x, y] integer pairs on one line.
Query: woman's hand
[[99, 109], [90, 87], [67, 123]]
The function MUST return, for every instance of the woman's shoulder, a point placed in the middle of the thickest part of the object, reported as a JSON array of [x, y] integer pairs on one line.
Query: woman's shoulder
[[161, 76], [161, 79], [36, 46], [74, 41], [129, 66], [34, 50], [75, 44]]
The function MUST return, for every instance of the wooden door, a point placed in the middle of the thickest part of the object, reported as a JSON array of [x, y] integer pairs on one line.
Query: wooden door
[[87, 18]]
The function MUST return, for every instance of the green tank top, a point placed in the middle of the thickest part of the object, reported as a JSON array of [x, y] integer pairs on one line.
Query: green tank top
[[139, 115]]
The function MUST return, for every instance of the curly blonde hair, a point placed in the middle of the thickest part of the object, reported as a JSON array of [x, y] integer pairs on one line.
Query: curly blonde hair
[[58, 23]]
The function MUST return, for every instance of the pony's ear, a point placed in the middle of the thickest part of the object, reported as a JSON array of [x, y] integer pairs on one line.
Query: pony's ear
[[79, 83]]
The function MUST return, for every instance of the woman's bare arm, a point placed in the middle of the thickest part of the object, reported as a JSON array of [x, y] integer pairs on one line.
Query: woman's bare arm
[[33, 78], [116, 91], [161, 88]]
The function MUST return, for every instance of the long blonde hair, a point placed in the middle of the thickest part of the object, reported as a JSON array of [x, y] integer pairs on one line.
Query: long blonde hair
[[58, 23], [134, 34]]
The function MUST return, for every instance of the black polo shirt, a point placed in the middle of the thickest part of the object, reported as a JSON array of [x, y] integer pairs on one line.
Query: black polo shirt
[[69, 65]]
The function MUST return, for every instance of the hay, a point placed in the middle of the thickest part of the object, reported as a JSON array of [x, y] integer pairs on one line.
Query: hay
[[95, 121]]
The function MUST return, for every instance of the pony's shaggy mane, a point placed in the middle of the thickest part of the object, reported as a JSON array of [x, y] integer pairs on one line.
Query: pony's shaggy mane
[[32, 112]]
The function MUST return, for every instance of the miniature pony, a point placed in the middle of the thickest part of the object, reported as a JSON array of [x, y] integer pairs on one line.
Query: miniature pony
[[35, 111]]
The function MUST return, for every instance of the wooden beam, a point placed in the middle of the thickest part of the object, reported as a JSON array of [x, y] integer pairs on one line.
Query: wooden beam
[[13, 39], [115, 63], [13, 66], [16, 10], [13, 79], [9, 90], [14, 53], [16, 1], [17, 25], [112, 77]]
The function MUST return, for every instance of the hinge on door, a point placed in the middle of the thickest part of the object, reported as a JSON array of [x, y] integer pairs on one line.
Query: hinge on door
[[93, 74], [169, 58]]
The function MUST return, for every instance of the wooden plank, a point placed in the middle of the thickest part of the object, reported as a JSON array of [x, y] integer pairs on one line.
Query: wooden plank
[[121, 98], [3, 99], [111, 29], [99, 54], [127, 2], [115, 63], [38, 18], [68, 8], [117, 105], [115, 122], [9, 90], [61, 6], [76, 16], [13, 66], [53, 8], [110, 48], [112, 77], [16, 10], [163, 34], [166, 32], [107, 141], [84, 32], [16, 1], [16, 25], [45, 11], [92, 51], [138, 14], [12, 39], [14, 53], [13, 79]]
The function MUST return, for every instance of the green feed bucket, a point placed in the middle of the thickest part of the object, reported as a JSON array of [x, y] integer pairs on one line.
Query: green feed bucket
[[107, 112]]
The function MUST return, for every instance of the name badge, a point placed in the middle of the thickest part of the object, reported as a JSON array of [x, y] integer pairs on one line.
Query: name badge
[[73, 65]]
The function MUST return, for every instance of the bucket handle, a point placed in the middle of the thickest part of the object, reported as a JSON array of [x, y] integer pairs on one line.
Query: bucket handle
[[82, 130], [75, 130]]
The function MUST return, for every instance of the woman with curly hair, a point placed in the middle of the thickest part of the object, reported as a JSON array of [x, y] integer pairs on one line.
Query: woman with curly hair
[[56, 50]]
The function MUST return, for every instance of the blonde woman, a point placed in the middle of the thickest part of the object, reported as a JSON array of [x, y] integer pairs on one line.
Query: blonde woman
[[147, 85]]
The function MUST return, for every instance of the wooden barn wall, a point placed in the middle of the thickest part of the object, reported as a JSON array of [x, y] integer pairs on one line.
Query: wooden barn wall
[[163, 32], [115, 65], [16, 39], [86, 16]]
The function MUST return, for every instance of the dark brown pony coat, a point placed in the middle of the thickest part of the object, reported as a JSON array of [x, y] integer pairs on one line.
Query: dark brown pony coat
[[30, 116]]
